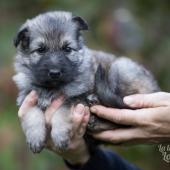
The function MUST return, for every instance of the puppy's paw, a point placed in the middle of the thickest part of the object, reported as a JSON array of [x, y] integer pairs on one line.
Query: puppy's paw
[[97, 124], [61, 139], [36, 147], [36, 139], [33, 124], [60, 128], [92, 100]]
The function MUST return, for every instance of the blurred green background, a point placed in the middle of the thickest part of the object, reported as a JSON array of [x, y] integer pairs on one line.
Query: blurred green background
[[139, 29]]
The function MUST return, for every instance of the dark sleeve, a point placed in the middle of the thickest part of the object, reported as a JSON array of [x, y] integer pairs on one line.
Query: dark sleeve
[[104, 160]]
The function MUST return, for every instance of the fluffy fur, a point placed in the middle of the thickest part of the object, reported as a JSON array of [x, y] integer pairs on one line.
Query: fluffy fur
[[53, 60]]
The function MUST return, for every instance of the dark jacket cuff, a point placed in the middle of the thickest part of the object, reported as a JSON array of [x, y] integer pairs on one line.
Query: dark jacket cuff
[[103, 160]]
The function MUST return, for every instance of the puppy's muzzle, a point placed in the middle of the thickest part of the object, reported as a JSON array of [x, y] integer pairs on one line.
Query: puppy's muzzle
[[54, 74]]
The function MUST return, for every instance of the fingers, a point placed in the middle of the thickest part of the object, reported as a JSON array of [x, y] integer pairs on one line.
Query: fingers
[[52, 108], [119, 116], [80, 119], [83, 125], [118, 136], [78, 131], [148, 100], [28, 103], [77, 116]]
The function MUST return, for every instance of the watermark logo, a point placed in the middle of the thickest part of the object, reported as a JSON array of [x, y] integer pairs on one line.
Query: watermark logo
[[165, 151]]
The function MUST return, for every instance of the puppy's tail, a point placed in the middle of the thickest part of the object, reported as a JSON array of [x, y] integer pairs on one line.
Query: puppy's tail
[[107, 95]]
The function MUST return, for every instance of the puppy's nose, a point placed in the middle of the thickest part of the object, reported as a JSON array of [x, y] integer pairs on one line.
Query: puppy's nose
[[54, 74]]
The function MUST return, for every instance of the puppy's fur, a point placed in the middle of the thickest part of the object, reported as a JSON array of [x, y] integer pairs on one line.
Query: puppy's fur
[[53, 60]]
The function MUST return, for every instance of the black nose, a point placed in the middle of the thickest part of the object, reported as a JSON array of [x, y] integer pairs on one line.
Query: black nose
[[54, 74]]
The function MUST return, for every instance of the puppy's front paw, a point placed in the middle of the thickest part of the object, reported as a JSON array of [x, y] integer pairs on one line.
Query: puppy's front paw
[[61, 139], [60, 128], [33, 124], [35, 137]]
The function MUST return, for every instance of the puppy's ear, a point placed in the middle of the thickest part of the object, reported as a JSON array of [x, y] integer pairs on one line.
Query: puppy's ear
[[22, 38], [82, 24]]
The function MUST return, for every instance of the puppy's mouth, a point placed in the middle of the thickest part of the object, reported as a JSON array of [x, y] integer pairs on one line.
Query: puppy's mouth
[[49, 84]]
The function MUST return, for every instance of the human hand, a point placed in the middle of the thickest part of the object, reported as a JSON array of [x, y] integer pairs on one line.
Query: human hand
[[77, 152], [150, 123]]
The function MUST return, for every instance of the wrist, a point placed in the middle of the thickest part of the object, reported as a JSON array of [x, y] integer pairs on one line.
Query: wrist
[[79, 161], [80, 157]]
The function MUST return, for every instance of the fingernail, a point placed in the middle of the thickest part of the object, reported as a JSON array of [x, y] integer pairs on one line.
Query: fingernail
[[128, 100], [33, 95], [93, 109], [79, 109]]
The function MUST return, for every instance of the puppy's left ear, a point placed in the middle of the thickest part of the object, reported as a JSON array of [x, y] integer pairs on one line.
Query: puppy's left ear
[[82, 24]]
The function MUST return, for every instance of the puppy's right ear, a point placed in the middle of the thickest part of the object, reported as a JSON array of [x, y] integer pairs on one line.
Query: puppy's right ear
[[22, 38]]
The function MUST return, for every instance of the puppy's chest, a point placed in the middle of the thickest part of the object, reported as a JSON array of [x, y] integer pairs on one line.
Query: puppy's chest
[[45, 98]]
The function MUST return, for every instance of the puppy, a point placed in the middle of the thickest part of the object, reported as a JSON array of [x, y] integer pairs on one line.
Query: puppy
[[53, 60]]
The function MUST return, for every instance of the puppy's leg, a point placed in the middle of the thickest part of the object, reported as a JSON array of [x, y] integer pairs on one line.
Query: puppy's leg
[[61, 127], [33, 125]]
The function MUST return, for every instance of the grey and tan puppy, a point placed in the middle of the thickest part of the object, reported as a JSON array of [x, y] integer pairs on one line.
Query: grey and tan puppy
[[53, 60]]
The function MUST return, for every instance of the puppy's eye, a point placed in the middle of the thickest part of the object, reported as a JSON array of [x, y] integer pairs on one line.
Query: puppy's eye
[[41, 50], [67, 49]]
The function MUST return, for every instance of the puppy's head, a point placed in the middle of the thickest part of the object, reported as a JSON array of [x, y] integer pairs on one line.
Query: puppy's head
[[49, 48]]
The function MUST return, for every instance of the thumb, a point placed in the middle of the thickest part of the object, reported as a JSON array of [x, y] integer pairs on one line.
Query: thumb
[[148, 100]]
